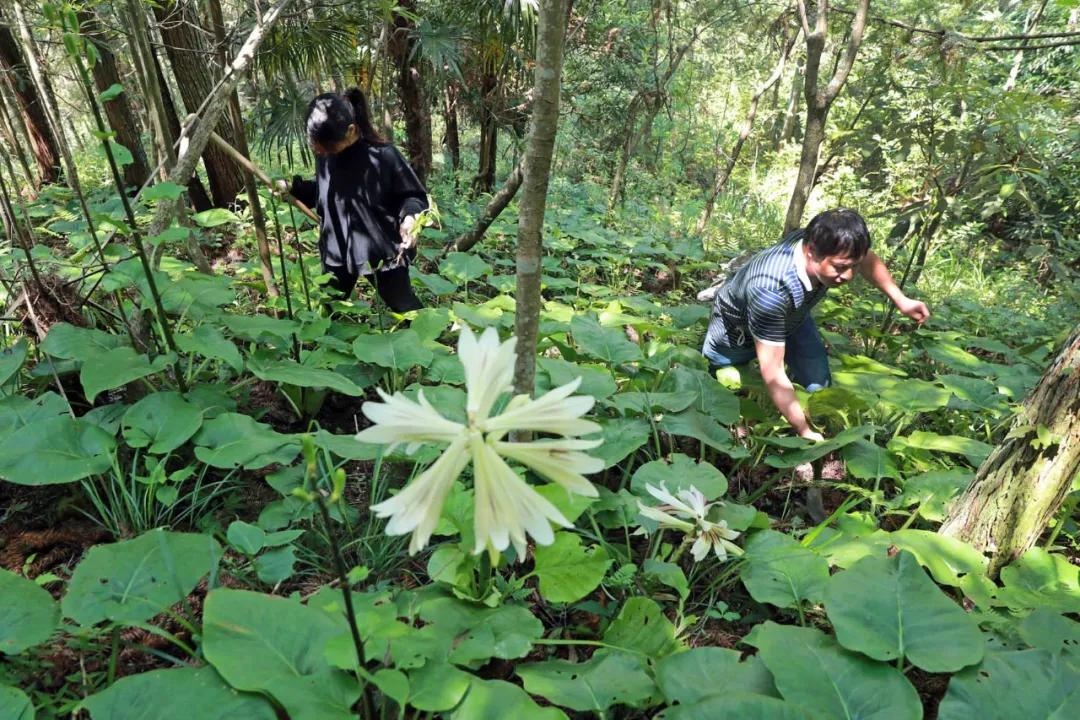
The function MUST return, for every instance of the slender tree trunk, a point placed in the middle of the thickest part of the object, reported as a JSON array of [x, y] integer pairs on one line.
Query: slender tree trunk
[[489, 135], [410, 82], [258, 218], [789, 126], [1022, 485], [200, 199], [724, 175], [551, 35], [452, 139], [43, 143], [495, 206], [15, 131], [188, 51], [820, 99], [122, 120]]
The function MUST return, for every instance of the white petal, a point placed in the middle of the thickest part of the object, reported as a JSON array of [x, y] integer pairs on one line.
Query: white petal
[[694, 500], [557, 460], [554, 412], [700, 548], [663, 518], [418, 506], [661, 494], [399, 419], [719, 549], [489, 369], [507, 508]]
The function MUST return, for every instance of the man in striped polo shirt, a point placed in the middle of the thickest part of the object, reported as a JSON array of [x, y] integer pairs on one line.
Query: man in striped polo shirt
[[763, 310]]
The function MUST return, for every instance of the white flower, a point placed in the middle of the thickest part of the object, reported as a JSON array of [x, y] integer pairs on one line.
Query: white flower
[[507, 508], [691, 505]]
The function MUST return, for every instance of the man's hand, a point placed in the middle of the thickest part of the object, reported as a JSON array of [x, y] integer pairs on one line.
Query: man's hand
[[408, 232], [281, 188], [914, 309], [811, 435]]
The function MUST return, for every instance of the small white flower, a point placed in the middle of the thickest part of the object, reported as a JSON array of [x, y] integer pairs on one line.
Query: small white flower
[[688, 513], [507, 508]]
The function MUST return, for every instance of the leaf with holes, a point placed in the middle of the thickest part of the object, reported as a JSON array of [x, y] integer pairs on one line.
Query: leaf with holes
[[607, 678]]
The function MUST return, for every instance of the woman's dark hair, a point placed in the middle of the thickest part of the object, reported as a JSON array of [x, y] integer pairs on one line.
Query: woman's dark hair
[[329, 116], [838, 233]]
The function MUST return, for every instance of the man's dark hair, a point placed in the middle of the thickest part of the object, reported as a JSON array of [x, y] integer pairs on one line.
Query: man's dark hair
[[838, 233], [329, 116]]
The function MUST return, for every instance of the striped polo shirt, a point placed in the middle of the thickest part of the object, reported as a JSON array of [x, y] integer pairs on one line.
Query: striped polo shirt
[[766, 299]]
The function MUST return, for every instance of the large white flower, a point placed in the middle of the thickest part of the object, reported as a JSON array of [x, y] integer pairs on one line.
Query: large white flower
[[507, 508], [688, 513]]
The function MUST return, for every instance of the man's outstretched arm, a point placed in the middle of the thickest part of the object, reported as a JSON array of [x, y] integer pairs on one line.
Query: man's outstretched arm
[[874, 270], [780, 389]]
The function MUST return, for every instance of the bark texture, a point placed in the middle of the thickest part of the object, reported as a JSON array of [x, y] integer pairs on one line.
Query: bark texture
[[489, 134], [1022, 485], [410, 82], [42, 141], [452, 138]]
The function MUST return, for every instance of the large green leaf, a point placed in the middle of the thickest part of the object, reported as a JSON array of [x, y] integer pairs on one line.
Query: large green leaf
[[814, 451], [234, 440], [606, 679], [703, 428], [621, 437], [913, 395], [28, 614], [566, 570], [177, 694], [606, 344], [12, 359], [813, 672], [257, 327], [646, 403], [399, 350], [208, 340], [18, 411], [712, 398], [957, 358], [293, 373], [933, 490], [594, 381], [1028, 684], [888, 608], [55, 450], [743, 706], [117, 367], [134, 580], [14, 704], [261, 643], [68, 342], [691, 676], [499, 700], [437, 686], [641, 627], [780, 571], [868, 461], [161, 422], [681, 473], [1040, 579], [463, 267], [975, 450]]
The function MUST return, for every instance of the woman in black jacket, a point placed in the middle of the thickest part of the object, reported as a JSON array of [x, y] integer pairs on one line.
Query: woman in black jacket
[[367, 197]]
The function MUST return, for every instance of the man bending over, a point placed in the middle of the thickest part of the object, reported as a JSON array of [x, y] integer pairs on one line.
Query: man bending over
[[763, 310]]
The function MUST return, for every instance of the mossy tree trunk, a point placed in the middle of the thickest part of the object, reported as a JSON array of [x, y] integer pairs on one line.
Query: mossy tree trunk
[[1022, 485]]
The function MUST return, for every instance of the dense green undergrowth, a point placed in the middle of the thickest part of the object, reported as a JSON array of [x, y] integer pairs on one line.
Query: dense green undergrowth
[[235, 498]]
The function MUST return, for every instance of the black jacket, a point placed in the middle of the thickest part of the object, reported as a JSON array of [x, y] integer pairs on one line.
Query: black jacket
[[362, 194]]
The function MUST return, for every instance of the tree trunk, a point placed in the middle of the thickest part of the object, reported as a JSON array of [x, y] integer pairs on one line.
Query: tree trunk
[[551, 34], [1021, 486], [410, 81], [200, 199], [723, 176], [122, 120], [789, 128], [495, 206], [189, 55], [489, 135], [820, 99], [42, 141], [15, 131], [452, 138]]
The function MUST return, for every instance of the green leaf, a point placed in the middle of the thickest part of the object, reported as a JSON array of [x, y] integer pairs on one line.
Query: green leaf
[[120, 154], [14, 704], [55, 450], [68, 342], [606, 344], [594, 381], [435, 284], [175, 234], [814, 451], [437, 686], [810, 670], [680, 474], [1048, 630], [703, 428], [668, 574], [567, 571], [398, 350], [469, 635], [888, 608], [645, 403], [293, 373], [234, 440], [214, 217], [258, 327], [684, 316], [163, 421], [11, 360], [912, 395], [571, 505], [430, 323], [780, 571], [1026, 684], [276, 565], [18, 411], [499, 700], [111, 93], [275, 646], [118, 367], [346, 447], [743, 706], [975, 450], [245, 537], [165, 190], [1040, 579], [641, 627], [28, 614], [621, 437], [176, 694], [868, 461], [134, 580], [932, 491], [691, 676], [463, 267], [606, 679], [208, 341], [713, 399]]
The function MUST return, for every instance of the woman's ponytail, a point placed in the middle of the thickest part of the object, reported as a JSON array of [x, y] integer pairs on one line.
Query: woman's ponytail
[[362, 116]]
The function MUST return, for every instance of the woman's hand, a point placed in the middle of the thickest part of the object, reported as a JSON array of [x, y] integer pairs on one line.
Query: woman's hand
[[281, 187], [409, 230], [914, 309]]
